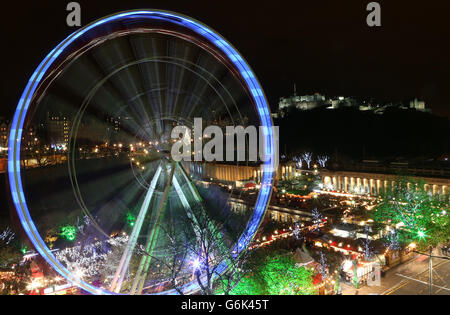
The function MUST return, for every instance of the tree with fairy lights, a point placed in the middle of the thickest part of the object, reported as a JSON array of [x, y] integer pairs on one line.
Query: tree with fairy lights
[[247, 280], [414, 214], [69, 232], [322, 160], [283, 277], [276, 273], [307, 157], [199, 249], [317, 220], [298, 161], [175, 264], [303, 184], [90, 261], [8, 253]]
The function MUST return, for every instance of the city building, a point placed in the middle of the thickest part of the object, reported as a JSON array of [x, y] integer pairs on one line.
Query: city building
[[117, 129], [418, 105], [309, 102], [30, 140], [115, 123], [58, 130], [360, 182], [306, 102], [4, 130]]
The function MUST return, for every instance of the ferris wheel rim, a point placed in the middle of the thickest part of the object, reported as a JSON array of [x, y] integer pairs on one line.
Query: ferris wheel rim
[[14, 147]]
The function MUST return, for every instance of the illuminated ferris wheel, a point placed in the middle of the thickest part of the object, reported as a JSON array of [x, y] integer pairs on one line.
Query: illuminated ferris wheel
[[97, 180]]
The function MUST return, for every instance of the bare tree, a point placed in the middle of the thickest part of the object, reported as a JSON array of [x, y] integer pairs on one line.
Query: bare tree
[[40, 155], [322, 160], [217, 263], [175, 267], [8, 254], [307, 157], [298, 161]]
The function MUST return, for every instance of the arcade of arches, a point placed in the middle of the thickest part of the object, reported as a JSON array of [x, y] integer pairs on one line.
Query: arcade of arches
[[343, 181]]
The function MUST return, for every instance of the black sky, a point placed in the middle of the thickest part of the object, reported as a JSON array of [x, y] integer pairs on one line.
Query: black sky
[[322, 46]]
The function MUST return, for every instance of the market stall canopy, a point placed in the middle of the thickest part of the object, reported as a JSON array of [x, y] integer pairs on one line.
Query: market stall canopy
[[302, 258]]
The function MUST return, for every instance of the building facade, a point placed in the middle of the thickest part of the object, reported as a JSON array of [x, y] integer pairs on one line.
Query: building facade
[[343, 181], [375, 183], [4, 132], [58, 129]]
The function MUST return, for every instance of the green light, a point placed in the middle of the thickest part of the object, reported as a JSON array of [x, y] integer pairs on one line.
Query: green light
[[131, 219], [419, 217], [69, 232], [421, 234], [275, 274]]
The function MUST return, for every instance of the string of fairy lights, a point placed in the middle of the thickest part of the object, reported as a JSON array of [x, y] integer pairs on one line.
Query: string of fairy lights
[[89, 260]]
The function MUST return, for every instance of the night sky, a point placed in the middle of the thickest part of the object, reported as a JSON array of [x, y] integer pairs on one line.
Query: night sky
[[322, 46]]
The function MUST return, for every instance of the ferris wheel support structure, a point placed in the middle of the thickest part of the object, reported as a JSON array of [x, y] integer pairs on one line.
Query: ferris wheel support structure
[[126, 257], [144, 265], [190, 184]]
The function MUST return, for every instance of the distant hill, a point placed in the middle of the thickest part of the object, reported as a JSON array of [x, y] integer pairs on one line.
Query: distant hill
[[356, 134]]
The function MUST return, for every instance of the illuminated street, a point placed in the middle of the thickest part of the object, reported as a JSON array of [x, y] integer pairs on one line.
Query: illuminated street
[[399, 280]]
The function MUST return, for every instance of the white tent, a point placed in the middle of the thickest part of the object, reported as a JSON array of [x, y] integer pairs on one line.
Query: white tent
[[302, 258]]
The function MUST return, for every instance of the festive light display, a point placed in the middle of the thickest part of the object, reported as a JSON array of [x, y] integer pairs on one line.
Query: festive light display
[[421, 234], [317, 220], [322, 160], [323, 268], [392, 240], [368, 249], [233, 59], [298, 161], [69, 232], [284, 278], [277, 274], [89, 260], [414, 214], [307, 157], [131, 219], [355, 274], [297, 231], [7, 236]]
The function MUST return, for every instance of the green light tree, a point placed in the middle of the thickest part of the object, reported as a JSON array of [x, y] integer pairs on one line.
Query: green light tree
[[303, 184], [69, 233], [414, 213], [355, 279], [277, 274], [245, 277], [283, 277]]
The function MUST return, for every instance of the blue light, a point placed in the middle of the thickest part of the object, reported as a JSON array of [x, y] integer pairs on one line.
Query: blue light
[[15, 179]]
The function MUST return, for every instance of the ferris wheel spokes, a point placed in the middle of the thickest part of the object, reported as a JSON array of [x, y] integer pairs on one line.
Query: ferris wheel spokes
[[196, 219], [126, 257], [191, 185], [144, 265]]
